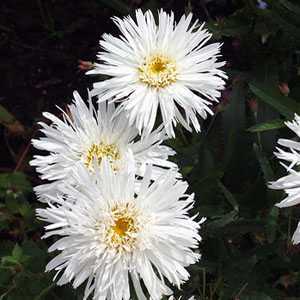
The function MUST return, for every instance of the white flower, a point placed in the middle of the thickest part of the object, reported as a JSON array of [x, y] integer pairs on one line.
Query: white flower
[[291, 182], [164, 65], [110, 231], [86, 134]]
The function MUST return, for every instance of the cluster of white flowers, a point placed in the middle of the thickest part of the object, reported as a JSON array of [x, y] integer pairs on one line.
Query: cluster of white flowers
[[117, 204]]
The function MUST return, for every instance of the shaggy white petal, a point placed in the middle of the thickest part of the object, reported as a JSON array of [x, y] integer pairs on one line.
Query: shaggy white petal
[[86, 133], [291, 182], [118, 230], [162, 65], [296, 235]]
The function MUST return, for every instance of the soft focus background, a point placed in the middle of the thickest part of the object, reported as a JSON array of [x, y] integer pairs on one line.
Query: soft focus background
[[247, 250]]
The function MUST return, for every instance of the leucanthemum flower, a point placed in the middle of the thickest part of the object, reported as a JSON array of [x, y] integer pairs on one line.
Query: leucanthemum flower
[[160, 65], [86, 133], [290, 159], [114, 233]]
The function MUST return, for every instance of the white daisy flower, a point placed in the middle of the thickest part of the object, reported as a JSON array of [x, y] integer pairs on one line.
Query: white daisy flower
[[86, 134], [114, 233], [291, 182], [160, 65]]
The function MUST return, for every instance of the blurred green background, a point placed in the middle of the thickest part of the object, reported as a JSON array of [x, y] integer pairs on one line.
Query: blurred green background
[[246, 247]]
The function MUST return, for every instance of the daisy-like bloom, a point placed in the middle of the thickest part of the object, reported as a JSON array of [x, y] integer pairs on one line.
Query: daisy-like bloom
[[85, 134], [160, 65], [291, 182], [112, 231]]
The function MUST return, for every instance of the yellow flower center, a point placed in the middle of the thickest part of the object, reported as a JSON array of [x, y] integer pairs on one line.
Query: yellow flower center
[[121, 233], [99, 151], [158, 71], [122, 225]]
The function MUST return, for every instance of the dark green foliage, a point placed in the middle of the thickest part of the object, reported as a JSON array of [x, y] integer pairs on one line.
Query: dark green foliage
[[247, 253], [246, 249]]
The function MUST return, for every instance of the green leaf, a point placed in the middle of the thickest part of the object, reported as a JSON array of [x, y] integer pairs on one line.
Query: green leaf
[[219, 223], [8, 260], [38, 255], [234, 25], [19, 205], [4, 218], [9, 121], [4, 277], [17, 257], [228, 195], [27, 287], [233, 122], [270, 125], [264, 164], [15, 182], [271, 226], [25, 209], [17, 252], [284, 105], [5, 116], [12, 204]]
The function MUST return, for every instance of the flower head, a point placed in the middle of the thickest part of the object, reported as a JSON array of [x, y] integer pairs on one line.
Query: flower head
[[160, 65], [86, 135], [117, 230], [291, 182]]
